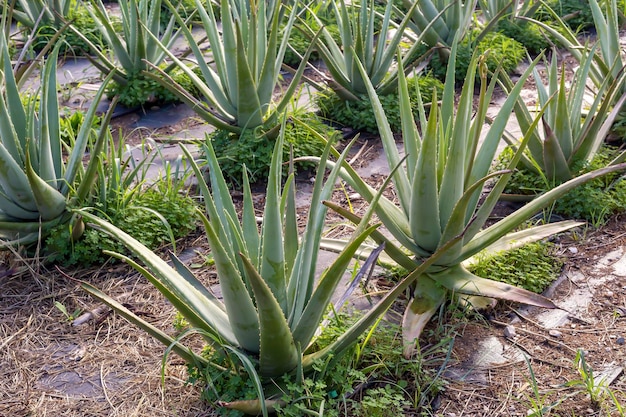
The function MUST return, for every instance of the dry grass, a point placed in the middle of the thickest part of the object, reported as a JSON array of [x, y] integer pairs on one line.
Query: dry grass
[[105, 367]]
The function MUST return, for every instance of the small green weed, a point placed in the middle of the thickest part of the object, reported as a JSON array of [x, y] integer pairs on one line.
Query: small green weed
[[149, 217], [359, 114], [372, 379], [532, 266], [595, 388], [69, 316], [140, 90], [502, 51], [539, 402]]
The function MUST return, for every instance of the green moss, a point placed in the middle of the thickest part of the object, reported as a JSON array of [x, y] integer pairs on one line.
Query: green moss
[[359, 114], [532, 267]]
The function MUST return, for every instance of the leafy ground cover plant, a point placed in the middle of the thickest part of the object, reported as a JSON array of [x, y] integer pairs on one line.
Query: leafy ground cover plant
[[532, 266], [359, 114], [499, 50], [438, 187], [504, 16], [253, 152], [369, 379]]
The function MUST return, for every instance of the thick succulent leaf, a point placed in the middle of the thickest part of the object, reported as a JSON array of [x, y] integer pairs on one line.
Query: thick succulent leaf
[[424, 208], [50, 202], [240, 308], [494, 232], [113, 38], [452, 184], [351, 334], [14, 181], [391, 248], [567, 39], [10, 210], [317, 306], [606, 23], [458, 222], [86, 185], [74, 163], [391, 216], [489, 146], [272, 245], [302, 276], [49, 143], [182, 351], [562, 127], [278, 354], [186, 273], [484, 211], [250, 112], [249, 225], [594, 135], [428, 296], [364, 252], [460, 280], [12, 228], [555, 161], [13, 125], [522, 237], [400, 179], [184, 295]]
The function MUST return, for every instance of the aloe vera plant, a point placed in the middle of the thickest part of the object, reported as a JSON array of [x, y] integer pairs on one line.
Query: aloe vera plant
[[361, 41], [134, 48], [438, 186], [37, 181], [237, 89], [33, 13], [272, 304], [573, 126], [441, 21], [607, 59]]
